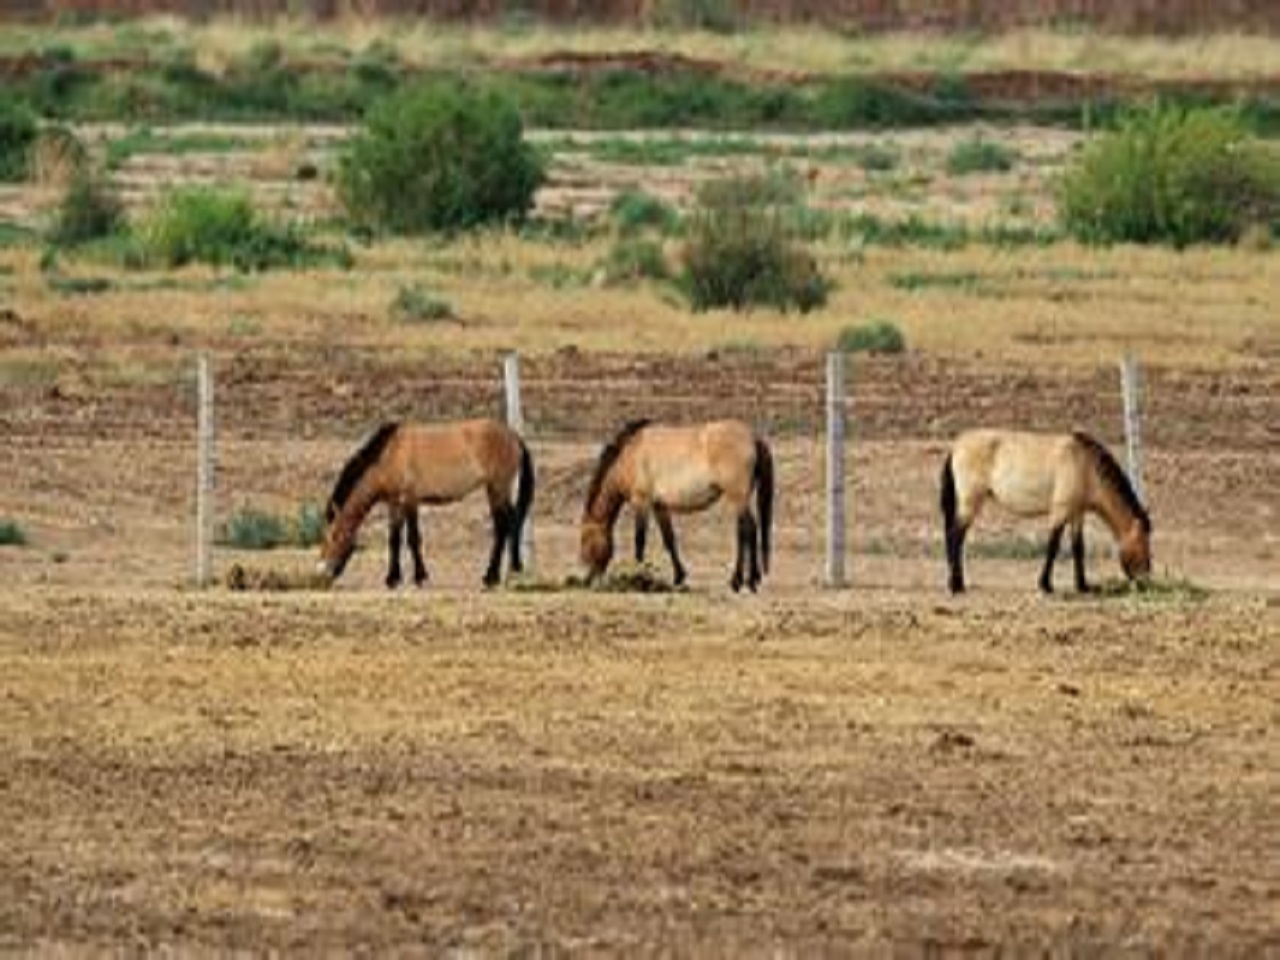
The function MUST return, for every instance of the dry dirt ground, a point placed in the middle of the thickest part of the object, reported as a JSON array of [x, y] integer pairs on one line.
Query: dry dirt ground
[[804, 771]]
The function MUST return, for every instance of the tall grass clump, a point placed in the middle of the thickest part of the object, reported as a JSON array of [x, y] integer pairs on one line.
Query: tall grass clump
[[221, 227], [635, 210], [879, 336], [439, 157], [17, 134], [252, 529], [744, 249], [88, 210], [1172, 175]]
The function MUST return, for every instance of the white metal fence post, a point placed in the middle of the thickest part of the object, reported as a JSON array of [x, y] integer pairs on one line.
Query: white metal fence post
[[204, 472], [1131, 386], [515, 419], [835, 575]]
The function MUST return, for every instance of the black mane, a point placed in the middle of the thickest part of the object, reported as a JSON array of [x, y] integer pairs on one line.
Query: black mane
[[360, 462], [1113, 475], [609, 456]]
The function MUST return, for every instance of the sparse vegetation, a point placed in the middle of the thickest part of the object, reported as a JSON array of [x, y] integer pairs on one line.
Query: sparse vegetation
[[879, 336], [440, 157], [632, 259], [1172, 175], [979, 155], [635, 210], [417, 304]]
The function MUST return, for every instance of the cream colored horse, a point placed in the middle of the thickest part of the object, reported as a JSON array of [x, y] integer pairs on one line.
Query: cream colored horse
[[665, 470], [407, 464], [1064, 476]]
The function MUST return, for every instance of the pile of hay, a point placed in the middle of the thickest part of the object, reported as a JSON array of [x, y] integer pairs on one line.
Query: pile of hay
[[242, 578]]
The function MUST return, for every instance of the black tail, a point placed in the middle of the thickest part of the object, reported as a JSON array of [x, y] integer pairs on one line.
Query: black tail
[[764, 498], [948, 495], [524, 497]]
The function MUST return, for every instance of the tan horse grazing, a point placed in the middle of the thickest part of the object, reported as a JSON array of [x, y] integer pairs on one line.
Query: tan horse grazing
[[1030, 474], [407, 464], [662, 470]]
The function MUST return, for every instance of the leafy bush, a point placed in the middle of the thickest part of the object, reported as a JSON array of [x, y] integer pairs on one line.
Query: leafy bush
[[416, 304], [222, 228], [17, 134], [979, 155], [635, 210], [632, 259], [743, 250], [89, 210], [439, 157], [880, 336], [1171, 175], [253, 529], [718, 16], [11, 534]]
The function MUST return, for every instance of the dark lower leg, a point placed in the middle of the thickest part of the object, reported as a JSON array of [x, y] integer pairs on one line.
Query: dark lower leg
[[515, 525], [955, 557], [669, 541], [393, 546], [1050, 558], [642, 534], [751, 539], [415, 548], [738, 576], [501, 527], [1077, 554]]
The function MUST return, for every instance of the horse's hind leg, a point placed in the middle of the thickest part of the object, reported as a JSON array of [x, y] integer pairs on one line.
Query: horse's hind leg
[[415, 546], [955, 556], [395, 524], [503, 515], [1077, 555], [746, 549], [669, 541], [1051, 557]]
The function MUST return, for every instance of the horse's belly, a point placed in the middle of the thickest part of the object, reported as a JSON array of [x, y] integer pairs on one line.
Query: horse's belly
[[686, 489], [1026, 496]]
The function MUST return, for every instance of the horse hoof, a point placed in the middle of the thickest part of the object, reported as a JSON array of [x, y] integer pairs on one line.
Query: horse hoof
[[393, 582]]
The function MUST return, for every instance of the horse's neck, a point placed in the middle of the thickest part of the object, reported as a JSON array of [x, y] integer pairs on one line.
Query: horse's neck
[[608, 503], [363, 499], [1114, 512]]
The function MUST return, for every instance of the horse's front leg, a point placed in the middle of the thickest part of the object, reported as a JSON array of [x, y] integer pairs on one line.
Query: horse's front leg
[[415, 546], [642, 532], [1050, 558], [395, 524], [1077, 555], [668, 531]]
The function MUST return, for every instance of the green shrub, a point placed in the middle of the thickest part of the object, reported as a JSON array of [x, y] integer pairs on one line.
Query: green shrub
[[221, 227], [875, 158], [416, 304], [880, 336], [17, 133], [11, 534], [89, 210], [718, 16], [979, 155], [1171, 175], [253, 529], [633, 258], [636, 210], [439, 157], [743, 250]]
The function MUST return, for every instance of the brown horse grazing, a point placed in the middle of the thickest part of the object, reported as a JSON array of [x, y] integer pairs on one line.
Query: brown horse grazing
[[1030, 474], [662, 470], [407, 464]]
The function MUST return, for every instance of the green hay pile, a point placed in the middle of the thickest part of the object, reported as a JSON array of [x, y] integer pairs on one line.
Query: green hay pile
[[1153, 589]]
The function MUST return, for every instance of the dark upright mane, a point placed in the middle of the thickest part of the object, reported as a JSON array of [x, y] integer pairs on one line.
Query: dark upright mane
[[360, 462], [609, 456], [1113, 476]]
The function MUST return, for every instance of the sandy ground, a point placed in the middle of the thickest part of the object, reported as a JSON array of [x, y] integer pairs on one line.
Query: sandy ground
[[805, 770]]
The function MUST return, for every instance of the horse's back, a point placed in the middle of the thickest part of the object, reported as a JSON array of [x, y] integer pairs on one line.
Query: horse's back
[[688, 466], [448, 460]]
